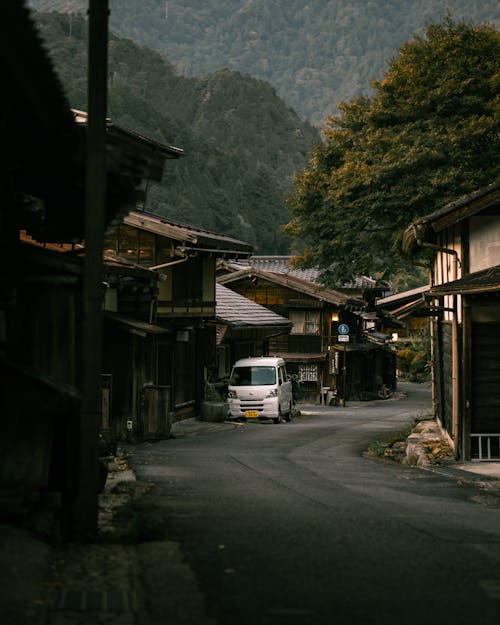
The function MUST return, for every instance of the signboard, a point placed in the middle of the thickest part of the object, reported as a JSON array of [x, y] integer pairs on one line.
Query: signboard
[[343, 338], [343, 328]]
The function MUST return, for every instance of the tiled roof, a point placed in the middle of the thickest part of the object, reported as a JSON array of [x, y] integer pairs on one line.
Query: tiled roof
[[283, 265], [312, 289], [235, 310]]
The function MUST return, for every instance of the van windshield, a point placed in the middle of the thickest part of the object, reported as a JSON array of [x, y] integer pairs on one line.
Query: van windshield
[[253, 376]]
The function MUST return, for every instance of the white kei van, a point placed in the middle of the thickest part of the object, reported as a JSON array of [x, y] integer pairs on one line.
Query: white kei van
[[259, 388]]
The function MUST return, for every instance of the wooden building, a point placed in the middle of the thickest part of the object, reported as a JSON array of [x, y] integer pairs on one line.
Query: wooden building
[[355, 367], [160, 336], [403, 313], [244, 329], [404, 318], [47, 469], [464, 304]]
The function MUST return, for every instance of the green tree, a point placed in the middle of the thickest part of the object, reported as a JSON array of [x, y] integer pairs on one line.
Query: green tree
[[428, 135]]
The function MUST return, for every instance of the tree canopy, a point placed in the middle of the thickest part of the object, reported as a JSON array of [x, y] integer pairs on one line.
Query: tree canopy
[[429, 135]]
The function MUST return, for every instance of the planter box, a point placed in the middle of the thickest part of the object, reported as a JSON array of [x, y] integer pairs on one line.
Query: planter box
[[213, 411]]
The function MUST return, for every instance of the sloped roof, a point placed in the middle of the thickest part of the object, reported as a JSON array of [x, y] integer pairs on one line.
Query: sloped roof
[[193, 238], [284, 264], [135, 324], [236, 310], [398, 299], [398, 306], [484, 281], [153, 152], [312, 289], [424, 228]]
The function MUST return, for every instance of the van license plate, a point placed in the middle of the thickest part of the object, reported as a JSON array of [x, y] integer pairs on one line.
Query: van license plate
[[251, 414]]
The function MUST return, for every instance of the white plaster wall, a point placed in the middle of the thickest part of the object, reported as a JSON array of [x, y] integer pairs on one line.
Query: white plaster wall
[[484, 244], [446, 269]]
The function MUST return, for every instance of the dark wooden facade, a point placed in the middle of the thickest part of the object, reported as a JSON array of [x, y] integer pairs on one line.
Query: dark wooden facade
[[464, 302], [40, 398], [49, 455], [40, 289], [312, 349], [160, 339]]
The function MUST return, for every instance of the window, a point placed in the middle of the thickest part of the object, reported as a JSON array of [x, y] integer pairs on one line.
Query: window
[[135, 245], [304, 321], [308, 373]]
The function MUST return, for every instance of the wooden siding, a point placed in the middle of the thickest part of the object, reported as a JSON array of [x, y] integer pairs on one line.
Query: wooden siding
[[273, 296], [485, 378], [304, 343], [443, 374]]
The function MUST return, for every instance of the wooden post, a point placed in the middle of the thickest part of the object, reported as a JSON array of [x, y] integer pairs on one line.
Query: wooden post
[[86, 500], [465, 430], [345, 374]]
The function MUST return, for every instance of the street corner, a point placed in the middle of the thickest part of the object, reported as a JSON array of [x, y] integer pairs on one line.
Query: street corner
[[421, 444], [427, 446]]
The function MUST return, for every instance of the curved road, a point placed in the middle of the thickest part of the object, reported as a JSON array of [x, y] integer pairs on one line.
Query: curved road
[[289, 524]]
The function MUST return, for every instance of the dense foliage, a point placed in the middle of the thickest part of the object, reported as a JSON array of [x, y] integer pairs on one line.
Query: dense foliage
[[243, 145], [428, 135], [316, 53]]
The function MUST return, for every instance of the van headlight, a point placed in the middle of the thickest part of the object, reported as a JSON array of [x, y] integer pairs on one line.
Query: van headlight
[[273, 393], [232, 395]]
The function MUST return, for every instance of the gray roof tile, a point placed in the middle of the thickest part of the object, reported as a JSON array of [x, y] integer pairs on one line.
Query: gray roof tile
[[235, 310]]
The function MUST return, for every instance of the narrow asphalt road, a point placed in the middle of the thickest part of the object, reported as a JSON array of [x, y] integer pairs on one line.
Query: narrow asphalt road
[[289, 524]]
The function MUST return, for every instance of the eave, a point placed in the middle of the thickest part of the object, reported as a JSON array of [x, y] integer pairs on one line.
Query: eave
[[424, 230], [485, 281], [192, 238]]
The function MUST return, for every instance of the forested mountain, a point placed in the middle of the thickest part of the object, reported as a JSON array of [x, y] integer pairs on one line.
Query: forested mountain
[[316, 53], [243, 145]]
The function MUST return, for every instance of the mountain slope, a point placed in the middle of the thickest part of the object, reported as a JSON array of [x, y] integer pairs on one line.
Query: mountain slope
[[316, 53], [242, 143]]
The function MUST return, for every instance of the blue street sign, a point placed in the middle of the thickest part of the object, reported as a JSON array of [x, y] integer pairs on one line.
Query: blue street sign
[[343, 328]]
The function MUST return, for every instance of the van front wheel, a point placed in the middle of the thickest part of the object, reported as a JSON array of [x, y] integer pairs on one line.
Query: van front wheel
[[278, 418]]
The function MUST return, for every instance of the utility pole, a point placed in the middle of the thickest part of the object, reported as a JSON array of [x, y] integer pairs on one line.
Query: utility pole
[[86, 500]]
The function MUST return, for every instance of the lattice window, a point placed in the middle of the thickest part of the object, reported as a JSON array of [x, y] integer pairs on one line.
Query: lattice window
[[304, 321], [308, 373]]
